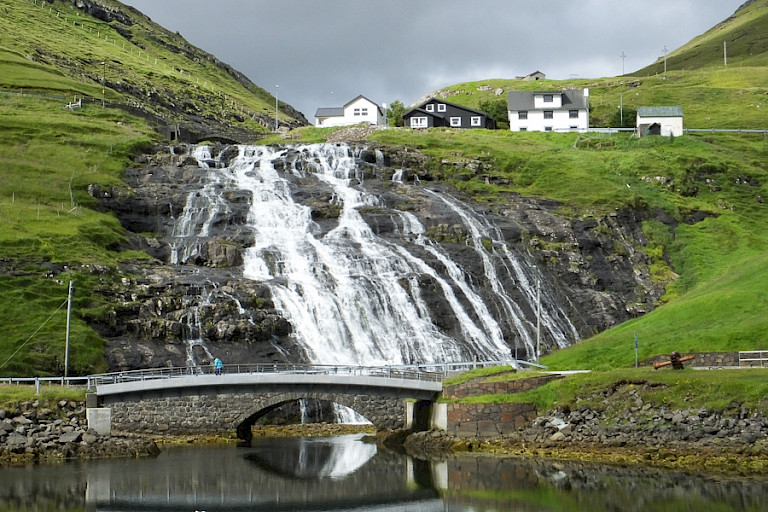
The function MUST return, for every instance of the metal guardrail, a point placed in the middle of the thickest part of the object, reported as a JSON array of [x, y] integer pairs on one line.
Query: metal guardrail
[[726, 130], [76, 382], [753, 358], [432, 372]]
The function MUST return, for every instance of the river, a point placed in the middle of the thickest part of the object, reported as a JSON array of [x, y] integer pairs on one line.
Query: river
[[350, 473]]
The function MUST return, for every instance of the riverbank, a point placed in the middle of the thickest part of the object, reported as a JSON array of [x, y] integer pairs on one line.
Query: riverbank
[[729, 442], [50, 431]]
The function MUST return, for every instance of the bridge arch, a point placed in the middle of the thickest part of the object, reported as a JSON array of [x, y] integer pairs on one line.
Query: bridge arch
[[384, 413]]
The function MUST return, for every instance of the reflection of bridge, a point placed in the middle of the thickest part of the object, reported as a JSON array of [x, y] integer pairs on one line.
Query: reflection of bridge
[[196, 401]]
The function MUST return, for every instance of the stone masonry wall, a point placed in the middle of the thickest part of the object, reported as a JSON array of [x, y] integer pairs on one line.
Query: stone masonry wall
[[212, 413], [705, 360], [481, 387], [488, 420]]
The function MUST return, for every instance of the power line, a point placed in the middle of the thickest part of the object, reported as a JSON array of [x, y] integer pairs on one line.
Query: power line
[[33, 334]]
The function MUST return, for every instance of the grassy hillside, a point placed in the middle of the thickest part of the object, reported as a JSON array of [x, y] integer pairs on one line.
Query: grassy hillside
[[711, 98], [745, 35], [127, 61]]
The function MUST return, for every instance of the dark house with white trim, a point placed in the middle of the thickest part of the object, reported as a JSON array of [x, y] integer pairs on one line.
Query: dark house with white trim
[[435, 113]]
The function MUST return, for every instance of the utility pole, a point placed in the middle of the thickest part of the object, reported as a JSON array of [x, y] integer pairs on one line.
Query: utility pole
[[636, 346], [623, 56], [621, 108], [725, 53], [103, 78], [69, 316], [665, 59], [277, 125]]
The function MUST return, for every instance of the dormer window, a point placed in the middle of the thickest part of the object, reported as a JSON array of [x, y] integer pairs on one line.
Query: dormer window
[[441, 107], [430, 107], [549, 98]]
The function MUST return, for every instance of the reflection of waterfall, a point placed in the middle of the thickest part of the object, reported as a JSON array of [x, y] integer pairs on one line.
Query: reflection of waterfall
[[355, 297], [316, 458]]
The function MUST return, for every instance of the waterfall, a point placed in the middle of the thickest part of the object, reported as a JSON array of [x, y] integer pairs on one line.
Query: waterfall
[[193, 330], [354, 297]]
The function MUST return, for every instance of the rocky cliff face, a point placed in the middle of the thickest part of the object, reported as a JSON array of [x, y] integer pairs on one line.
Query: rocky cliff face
[[185, 304]]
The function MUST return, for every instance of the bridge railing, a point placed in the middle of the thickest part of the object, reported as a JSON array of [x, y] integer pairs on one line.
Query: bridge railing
[[434, 372]]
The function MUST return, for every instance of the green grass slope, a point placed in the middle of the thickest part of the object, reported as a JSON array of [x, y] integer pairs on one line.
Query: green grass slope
[[125, 60], [743, 38]]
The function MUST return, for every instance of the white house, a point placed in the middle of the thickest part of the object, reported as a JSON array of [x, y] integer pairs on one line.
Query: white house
[[664, 120], [359, 110], [548, 111]]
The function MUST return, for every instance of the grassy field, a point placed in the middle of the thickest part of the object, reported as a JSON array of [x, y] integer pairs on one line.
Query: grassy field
[[717, 390], [12, 394]]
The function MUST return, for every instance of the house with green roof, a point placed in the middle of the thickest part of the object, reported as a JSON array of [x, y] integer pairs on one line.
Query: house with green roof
[[662, 120]]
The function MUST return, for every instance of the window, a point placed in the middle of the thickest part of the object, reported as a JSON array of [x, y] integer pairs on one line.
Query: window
[[431, 107], [547, 128], [455, 122], [418, 122], [549, 98], [549, 114], [573, 114], [365, 111], [523, 129], [523, 114], [574, 128], [357, 111], [441, 107], [476, 121]]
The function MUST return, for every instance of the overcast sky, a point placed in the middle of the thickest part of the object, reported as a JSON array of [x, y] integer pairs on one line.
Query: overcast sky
[[323, 53]]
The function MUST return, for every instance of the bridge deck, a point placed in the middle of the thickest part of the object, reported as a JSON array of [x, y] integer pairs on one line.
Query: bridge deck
[[251, 380]]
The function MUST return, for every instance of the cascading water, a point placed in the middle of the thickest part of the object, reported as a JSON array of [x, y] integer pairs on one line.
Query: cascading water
[[354, 297], [193, 330]]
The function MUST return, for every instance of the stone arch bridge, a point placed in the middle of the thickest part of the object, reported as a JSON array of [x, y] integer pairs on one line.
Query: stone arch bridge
[[172, 401]]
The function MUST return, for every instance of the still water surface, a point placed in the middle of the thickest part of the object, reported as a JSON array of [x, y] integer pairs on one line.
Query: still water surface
[[347, 473]]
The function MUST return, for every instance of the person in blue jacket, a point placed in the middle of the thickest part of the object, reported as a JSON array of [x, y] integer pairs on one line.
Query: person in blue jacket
[[217, 366]]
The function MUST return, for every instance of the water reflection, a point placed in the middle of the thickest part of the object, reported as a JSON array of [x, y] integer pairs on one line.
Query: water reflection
[[313, 458], [348, 473]]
